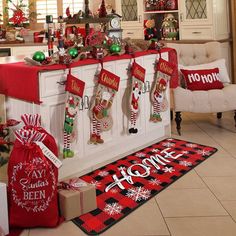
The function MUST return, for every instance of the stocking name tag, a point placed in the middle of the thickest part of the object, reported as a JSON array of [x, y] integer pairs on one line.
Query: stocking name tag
[[50, 155]]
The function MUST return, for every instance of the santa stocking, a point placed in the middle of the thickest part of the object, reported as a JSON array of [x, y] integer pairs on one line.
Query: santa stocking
[[158, 94], [138, 77], [75, 89], [101, 119]]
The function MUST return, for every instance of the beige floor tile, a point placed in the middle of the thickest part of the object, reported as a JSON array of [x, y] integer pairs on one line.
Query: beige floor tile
[[224, 137], [146, 220], [25, 233], [230, 206], [189, 180], [223, 187], [218, 164], [67, 228], [202, 226], [189, 202], [197, 136]]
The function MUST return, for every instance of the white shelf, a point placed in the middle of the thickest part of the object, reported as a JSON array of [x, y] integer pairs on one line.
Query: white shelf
[[161, 12]]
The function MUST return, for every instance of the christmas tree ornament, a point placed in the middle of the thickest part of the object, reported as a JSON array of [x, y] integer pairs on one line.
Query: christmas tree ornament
[[39, 56], [102, 10], [115, 48], [100, 111], [73, 52], [138, 78], [158, 94], [75, 90]]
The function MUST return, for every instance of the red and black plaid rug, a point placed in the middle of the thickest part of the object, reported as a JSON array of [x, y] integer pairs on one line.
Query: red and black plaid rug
[[126, 184]]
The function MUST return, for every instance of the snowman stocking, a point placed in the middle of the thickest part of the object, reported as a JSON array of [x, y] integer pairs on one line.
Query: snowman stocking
[[138, 77], [75, 89], [158, 93], [101, 119]]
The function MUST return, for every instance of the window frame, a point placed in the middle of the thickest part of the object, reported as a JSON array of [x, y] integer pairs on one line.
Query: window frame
[[33, 25]]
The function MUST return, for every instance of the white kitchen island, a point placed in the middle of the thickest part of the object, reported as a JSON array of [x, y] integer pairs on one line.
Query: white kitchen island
[[117, 141]]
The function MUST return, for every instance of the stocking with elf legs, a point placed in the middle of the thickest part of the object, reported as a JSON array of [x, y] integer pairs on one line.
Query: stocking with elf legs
[[100, 111], [138, 77], [75, 90], [158, 93]]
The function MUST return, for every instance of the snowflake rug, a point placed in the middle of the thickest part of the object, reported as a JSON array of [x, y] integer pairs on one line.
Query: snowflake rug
[[126, 184]]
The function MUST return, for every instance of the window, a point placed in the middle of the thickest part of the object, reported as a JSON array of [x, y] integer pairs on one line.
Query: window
[[74, 5], [1, 11], [56, 8], [46, 7], [14, 3]]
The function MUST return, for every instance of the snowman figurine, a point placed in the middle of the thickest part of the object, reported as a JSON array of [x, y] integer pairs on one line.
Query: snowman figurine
[[169, 27]]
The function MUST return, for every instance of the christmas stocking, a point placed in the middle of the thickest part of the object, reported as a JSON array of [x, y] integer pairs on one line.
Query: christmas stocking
[[75, 90], [101, 119], [138, 77], [158, 93]]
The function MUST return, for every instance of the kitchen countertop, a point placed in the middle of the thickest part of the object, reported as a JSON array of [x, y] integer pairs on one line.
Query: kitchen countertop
[[11, 59], [16, 44]]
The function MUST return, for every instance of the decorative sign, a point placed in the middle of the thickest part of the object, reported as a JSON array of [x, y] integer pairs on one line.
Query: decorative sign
[[138, 71], [33, 185], [74, 85], [109, 79], [143, 168], [165, 67], [49, 154]]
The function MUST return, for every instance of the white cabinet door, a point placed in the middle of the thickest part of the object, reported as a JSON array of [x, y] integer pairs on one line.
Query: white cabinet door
[[153, 129], [52, 111], [27, 51], [196, 12], [109, 137], [131, 12]]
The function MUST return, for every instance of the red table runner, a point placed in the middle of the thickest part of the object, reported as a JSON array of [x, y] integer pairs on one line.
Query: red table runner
[[20, 81]]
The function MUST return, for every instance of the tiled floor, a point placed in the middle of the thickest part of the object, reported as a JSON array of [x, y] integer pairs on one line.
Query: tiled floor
[[201, 203]]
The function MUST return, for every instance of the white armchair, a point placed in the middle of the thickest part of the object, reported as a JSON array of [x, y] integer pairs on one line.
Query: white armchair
[[201, 101]]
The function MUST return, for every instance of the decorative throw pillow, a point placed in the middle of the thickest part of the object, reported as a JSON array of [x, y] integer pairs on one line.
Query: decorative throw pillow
[[224, 76], [202, 79]]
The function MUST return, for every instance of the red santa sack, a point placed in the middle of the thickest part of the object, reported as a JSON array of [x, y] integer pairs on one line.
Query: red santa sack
[[32, 183], [33, 121]]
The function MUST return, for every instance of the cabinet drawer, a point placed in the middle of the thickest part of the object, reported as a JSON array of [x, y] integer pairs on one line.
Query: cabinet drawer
[[52, 83], [197, 33], [134, 33]]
